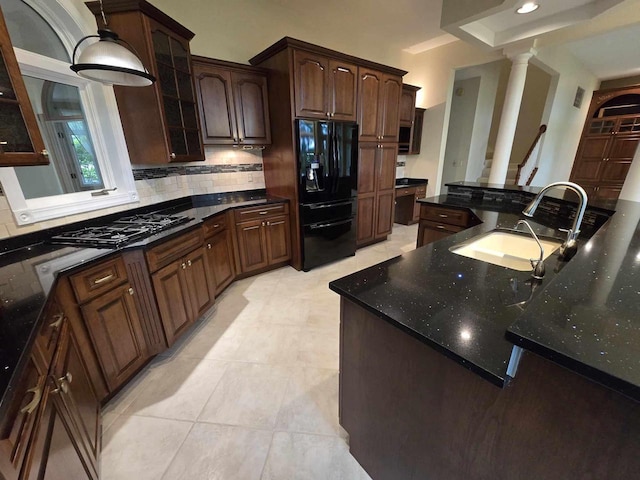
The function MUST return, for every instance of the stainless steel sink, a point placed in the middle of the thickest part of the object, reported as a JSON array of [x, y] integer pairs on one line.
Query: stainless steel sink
[[507, 248]]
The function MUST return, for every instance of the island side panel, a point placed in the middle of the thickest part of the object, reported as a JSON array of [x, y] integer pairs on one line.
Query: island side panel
[[412, 413]]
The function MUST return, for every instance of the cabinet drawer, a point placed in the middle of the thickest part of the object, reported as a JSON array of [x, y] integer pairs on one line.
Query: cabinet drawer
[[49, 333], [214, 225], [421, 191], [173, 249], [448, 216], [253, 213], [444, 227], [401, 192], [99, 279]]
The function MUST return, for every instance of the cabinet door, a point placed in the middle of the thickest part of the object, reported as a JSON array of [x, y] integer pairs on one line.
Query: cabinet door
[[55, 450], [220, 258], [369, 87], [343, 86], [215, 101], [389, 110], [114, 326], [367, 168], [428, 235], [366, 218], [310, 72], [20, 139], [386, 159], [252, 108], [589, 159], [173, 64], [174, 301], [200, 282], [278, 243], [21, 418], [618, 161], [384, 213], [79, 398], [252, 246], [416, 136], [407, 106]]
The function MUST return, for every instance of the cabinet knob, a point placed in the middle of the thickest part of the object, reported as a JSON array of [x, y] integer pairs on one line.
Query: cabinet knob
[[268, 224], [131, 291], [235, 140], [66, 378], [263, 224], [184, 266], [33, 404], [189, 263], [208, 246], [173, 156], [44, 153]]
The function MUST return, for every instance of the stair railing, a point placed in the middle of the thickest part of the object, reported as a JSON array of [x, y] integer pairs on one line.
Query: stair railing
[[543, 128]]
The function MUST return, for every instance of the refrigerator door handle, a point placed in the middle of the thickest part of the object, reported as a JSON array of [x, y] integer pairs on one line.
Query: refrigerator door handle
[[316, 207], [332, 224]]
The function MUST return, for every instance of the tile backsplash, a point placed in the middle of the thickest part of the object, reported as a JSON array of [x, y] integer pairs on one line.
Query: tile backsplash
[[224, 170]]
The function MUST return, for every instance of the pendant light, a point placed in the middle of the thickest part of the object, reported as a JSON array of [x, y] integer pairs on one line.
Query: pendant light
[[109, 61]]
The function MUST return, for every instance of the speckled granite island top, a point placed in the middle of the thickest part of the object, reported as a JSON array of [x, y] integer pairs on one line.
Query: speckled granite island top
[[28, 269], [585, 315]]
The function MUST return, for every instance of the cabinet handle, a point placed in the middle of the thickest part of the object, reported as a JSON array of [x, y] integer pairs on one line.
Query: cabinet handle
[[440, 227], [172, 156], [64, 388], [263, 224], [263, 213], [268, 224], [57, 321], [33, 404], [184, 266], [442, 215], [240, 140], [103, 279], [131, 291], [216, 225], [189, 263], [208, 246], [66, 378], [2, 142]]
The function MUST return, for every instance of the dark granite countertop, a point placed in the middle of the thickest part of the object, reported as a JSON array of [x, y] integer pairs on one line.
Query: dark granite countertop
[[29, 267], [410, 182], [585, 315]]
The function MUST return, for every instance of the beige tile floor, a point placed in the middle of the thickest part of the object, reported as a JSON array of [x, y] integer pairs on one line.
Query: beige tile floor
[[251, 392]]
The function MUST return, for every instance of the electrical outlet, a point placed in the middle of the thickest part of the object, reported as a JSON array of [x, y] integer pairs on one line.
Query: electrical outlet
[[250, 177]]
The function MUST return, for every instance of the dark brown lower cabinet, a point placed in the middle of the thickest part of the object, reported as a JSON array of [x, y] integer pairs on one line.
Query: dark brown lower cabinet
[[220, 259], [263, 243], [185, 289], [437, 222], [116, 333]]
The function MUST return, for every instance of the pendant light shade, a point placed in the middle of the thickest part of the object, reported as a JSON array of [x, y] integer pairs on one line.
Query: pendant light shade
[[109, 61]]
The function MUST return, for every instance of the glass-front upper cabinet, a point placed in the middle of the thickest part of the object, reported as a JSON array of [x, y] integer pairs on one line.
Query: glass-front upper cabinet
[[160, 122], [20, 139]]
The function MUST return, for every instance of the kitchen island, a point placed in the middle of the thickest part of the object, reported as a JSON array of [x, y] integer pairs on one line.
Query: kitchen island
[[433, 381]]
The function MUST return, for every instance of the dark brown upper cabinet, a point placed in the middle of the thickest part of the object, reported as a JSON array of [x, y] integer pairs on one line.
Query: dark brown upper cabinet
[[379, 106], [324, 87], [20, 139], [160, 122], [407, 119], [233, 103]]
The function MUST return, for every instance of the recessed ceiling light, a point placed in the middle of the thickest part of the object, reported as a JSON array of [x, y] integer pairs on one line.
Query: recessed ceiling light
[[528, 7]]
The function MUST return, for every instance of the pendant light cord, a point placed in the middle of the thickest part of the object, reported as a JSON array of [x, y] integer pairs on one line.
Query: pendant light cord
[[104, 18]]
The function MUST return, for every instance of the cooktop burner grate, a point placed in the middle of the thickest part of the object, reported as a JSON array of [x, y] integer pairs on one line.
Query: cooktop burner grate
[[120, 232]]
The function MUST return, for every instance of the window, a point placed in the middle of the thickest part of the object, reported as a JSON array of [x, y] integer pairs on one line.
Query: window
[[78, 119]]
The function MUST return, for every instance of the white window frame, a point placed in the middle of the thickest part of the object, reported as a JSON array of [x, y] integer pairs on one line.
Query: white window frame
[[103, 120]]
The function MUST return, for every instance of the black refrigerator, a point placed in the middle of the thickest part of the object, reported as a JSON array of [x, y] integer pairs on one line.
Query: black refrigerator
[[327, 185]]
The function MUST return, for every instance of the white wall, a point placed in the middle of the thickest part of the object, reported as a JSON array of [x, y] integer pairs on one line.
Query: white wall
[[434, 71], [460, 131]]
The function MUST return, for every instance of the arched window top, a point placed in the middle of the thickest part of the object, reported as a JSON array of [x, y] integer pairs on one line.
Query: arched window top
[[628, 104], [29, 31]]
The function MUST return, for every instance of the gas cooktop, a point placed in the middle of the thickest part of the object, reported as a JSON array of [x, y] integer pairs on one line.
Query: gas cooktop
[[121, 231]]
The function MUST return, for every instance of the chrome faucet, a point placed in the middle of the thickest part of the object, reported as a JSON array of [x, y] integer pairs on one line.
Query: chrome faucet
[[537, 265], [569, 248]]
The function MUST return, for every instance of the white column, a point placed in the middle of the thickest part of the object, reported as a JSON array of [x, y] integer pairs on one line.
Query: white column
[[509, 118]]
